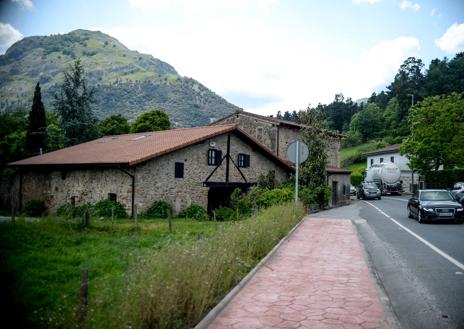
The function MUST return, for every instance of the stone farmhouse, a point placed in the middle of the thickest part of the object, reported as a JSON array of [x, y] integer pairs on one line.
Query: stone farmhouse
[[199, 165], [278, 134]]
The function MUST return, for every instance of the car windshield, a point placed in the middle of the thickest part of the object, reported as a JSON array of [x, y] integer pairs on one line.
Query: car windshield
[[436, 196], [371, 185]]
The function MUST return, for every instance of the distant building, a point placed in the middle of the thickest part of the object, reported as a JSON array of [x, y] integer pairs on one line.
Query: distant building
[[392, 154], [277, 134], [200, 165]]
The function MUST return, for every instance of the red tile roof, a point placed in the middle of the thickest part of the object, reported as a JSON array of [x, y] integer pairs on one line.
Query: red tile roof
[[389, 149], [132, 149], [274, 121]]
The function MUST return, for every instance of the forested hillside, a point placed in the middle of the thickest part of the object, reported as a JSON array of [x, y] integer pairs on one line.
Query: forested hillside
[[125, 81]]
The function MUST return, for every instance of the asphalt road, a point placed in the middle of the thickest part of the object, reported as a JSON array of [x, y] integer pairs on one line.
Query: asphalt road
[[419, 266]]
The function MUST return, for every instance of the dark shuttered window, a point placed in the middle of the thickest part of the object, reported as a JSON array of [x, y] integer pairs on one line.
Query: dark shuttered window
[[179, 170], [214, 157], [243, 160]]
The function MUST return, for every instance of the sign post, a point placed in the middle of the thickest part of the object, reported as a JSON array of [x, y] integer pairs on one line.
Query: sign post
[[297, 153]]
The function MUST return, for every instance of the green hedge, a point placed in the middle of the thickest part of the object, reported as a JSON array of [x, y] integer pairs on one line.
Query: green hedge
[[356, 179], [444, 178]]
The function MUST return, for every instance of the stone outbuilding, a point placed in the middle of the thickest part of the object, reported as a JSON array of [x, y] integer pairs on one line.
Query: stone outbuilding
[[201, 165], [278, 134]]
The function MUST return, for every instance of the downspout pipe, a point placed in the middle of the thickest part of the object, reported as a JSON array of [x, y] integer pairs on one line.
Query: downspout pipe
[[133, 190]]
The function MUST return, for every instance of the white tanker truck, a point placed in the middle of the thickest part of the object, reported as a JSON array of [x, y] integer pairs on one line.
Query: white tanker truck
[[387, 177]]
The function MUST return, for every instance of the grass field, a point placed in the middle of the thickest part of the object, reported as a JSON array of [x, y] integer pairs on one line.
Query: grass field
[[139, 274], [357, 168]]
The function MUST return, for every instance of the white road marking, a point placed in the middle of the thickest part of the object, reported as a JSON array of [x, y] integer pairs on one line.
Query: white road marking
[[418, 237], [387, 197]]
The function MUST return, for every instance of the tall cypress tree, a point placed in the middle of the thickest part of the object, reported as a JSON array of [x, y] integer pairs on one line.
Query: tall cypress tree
[[74, 104], [36, 137]]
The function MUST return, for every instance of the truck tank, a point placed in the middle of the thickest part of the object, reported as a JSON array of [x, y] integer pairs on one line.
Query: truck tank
[[387, 176]]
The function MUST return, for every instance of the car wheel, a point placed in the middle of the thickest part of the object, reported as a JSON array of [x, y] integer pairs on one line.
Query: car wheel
[[409, 213], [357, 196], [380, 197], [420, 219]]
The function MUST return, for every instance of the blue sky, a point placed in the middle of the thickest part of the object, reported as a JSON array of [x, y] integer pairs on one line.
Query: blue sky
[[262, 55]]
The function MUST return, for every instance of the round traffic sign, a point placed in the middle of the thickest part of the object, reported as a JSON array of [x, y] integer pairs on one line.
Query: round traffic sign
[[302, 154]]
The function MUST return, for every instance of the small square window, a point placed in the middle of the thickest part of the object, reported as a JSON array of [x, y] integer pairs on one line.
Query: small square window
[[392, 159], [372, 162], [243, 160], [112, 196], [381, 160], [179, 170], [214, 157]]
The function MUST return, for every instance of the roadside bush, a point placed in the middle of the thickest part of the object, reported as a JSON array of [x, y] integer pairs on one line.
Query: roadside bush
[[35, 208], [224, 214], [320, 196], [70, 211], [194, 211], [241, 202], [356, 179], [103, 209], [274, 197], [159, 209]]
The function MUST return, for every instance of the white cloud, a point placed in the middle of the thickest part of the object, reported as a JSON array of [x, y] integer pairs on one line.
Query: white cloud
[[453, 39], [433, 12], [262, 67], [8, 36], [405, 4], [202, 5], [378, 65], [26, 4], [369, 2]]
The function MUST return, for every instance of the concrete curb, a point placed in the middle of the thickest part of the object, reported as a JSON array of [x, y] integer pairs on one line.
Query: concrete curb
[[203, 324]]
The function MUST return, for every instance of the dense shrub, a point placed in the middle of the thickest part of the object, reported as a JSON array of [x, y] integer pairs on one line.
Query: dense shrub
[[103, 209], [320, 196], [444, 178], [224, 214], [35, 208], [274, 197], [159, 209], [356, 179], [241, 202], [194, 211], [70, 211]]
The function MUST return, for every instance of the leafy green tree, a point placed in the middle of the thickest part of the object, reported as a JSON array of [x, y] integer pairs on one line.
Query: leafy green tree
[[437, 133], [114, 125], [13, 129], [36, 137], [408, 81], [154, 120], [74, 104], [55, 135], [368, 122], [313, 170]]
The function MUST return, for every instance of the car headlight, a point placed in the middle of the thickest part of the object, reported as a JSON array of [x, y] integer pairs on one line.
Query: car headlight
[[459, 209], [428, 209]]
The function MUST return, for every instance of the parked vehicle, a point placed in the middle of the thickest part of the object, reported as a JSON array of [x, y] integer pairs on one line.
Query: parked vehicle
[[435, 205], [368, 190], [353, 190], [458, 186], [458, 195], [387, 177]]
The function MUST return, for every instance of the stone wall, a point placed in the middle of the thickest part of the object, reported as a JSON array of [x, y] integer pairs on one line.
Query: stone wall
[[277, 137], [343, 189], [154, 179]]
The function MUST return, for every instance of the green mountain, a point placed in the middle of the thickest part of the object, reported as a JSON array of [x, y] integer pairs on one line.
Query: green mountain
[[126, 81]]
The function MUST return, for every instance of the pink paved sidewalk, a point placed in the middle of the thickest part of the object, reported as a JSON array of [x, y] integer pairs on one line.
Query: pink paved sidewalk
[[318, 279]]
